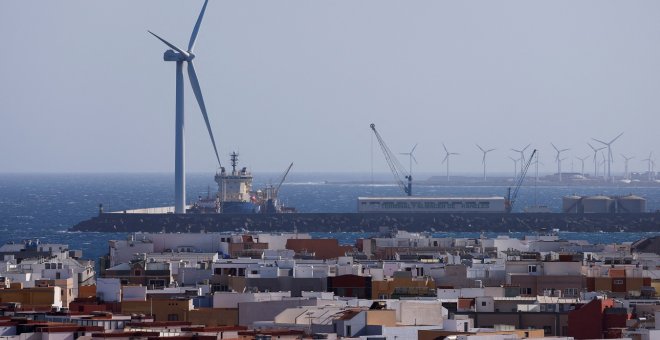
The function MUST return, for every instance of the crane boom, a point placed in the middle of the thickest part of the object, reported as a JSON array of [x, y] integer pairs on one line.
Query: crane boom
[[277, 188], [396, 167], [511, 199]]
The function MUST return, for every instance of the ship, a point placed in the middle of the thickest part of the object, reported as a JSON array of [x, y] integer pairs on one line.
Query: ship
[[236, 196]]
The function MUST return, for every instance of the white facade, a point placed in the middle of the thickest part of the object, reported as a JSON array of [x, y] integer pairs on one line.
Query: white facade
[[430, 204]]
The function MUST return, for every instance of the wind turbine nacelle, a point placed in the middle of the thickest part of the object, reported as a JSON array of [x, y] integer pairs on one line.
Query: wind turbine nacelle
[[171, 55]]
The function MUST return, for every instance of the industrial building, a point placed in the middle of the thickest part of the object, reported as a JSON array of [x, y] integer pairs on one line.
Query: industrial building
[[603, 204], [431, 204]]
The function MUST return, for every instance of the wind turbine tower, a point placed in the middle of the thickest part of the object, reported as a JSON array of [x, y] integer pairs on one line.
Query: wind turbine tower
[[446, 159], [180, 56], [558, 159], [610, 159], [483, 160], [595, 150], [411, 157]]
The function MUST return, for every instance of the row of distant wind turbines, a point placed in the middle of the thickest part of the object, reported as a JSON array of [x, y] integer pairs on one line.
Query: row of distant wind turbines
[[606, 161]]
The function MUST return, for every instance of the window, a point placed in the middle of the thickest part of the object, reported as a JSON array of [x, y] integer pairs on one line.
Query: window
[[570, 292], [348, 330], [618, 282], [525, 291], [172, 317], [531, 268], [483, 303]]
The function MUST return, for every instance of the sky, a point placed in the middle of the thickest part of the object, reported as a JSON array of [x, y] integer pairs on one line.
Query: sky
[[84, 88]]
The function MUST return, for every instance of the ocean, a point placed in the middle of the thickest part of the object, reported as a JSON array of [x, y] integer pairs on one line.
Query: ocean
[[44, 206]]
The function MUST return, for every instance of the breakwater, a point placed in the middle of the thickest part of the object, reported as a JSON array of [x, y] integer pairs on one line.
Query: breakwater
[[369, 222]]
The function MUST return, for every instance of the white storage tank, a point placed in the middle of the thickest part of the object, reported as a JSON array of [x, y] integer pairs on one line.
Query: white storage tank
[[630, 204], [571, 204], [597, 204]]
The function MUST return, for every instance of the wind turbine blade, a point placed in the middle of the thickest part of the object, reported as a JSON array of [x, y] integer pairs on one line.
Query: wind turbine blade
[[480, 148], [554, 147], [490, 150], [564, 150], [413, 158], [200, 100], [528, 145], [617, 137], [443, 145], [193, 36], [445, 159], [170, 45], [599, 141], [592, 147], [414, 147]]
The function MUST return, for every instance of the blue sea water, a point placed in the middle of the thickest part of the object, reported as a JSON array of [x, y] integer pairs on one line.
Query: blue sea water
[[44, 206]]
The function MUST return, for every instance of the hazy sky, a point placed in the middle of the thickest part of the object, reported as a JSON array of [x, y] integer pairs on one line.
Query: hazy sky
[[83, 86]]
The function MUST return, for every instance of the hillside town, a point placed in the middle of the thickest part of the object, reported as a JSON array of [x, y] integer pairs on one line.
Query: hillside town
[[392, 285]]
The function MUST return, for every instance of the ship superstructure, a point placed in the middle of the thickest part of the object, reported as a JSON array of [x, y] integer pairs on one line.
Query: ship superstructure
[[235, 194], [235, 189]]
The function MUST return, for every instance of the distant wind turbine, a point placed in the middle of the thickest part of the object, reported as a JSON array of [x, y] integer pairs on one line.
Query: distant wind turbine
[[483, 160], [626, 159], [522, 155], [180, 56], [595, 150], [610, 159], [559, 160], [515, 167], [446, 159], [411, 156], [582, 159], [651, 163]]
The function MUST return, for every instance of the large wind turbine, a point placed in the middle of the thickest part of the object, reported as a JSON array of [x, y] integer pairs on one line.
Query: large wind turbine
[[610, 159], [626, 159], [411, 156], [558, 159], [180, 56], [522, 156], [483, 160], [446, 159], [595, 158]]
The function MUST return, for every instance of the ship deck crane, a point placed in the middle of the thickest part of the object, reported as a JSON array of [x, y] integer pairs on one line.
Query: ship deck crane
[[511, 199], [279, 185], [396, 167]]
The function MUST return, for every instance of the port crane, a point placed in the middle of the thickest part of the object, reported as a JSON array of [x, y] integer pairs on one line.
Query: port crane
[[396, 167], [511, 199]]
